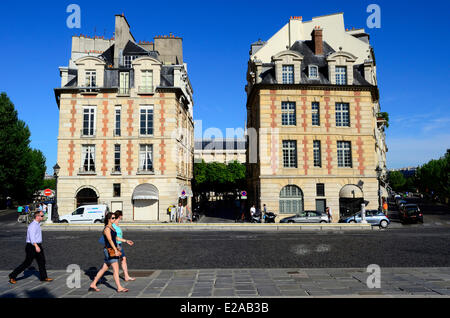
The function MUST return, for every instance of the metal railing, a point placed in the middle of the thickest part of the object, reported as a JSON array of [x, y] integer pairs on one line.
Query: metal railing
[[145, 90], [88, 132]]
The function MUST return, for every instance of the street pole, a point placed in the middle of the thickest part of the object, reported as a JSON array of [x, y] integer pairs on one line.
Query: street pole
[[56, 169], [363, 213]]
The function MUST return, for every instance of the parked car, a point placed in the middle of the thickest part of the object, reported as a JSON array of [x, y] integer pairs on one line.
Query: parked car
[[400, 203], [307, 217], [410, 213], [86, 214], [374, 217]]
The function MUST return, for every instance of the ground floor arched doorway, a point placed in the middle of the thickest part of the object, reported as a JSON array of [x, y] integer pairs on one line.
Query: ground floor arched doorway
[[145, 203], [350, 199], [86, 196]]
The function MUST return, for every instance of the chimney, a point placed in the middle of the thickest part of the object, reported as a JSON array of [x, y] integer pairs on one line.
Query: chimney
[[317, 38]]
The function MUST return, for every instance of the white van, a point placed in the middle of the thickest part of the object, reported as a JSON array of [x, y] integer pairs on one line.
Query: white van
[[86, 214]]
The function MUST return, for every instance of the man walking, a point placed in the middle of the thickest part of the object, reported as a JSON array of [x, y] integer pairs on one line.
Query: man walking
[[33, 250], [328, 210], [180, 213]]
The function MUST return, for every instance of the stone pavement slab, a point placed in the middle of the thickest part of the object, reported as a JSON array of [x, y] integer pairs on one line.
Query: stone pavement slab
[[206, 283]]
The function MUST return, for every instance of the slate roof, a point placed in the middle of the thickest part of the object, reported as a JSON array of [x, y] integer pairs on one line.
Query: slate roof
[[220, 144], [306, 48]]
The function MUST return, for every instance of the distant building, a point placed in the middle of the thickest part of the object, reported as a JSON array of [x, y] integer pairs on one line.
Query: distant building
[[220, 150], [313, 101], [125, 125], [407, 172]]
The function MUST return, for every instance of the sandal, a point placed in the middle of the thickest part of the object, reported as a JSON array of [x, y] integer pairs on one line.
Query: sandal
[[93, 289], [122, 290], [130, 279]]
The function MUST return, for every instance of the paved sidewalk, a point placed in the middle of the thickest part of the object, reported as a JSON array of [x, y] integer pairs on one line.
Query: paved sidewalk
[[247, 283]]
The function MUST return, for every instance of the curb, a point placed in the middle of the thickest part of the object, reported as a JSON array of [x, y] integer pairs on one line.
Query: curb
[[212, 227]]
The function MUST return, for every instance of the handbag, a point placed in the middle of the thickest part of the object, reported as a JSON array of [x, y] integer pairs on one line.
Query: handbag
[[111, 252]]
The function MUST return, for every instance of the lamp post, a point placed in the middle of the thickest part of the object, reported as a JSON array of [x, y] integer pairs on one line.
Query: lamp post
[[379, 171], [56, 169]]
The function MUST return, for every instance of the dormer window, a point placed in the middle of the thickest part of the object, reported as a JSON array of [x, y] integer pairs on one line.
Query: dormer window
[[313, 72], [341, 75], [288, 74], [91, 78], [127, 59]]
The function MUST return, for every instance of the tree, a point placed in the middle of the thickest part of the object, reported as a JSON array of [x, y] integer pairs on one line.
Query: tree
[[396, 180], [22, 169], [433, 177]]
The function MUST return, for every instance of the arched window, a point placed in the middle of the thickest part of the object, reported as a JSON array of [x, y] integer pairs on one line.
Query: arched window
[[291, 200]]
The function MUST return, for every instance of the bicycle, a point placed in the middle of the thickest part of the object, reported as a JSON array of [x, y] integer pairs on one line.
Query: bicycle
[[22, 218]]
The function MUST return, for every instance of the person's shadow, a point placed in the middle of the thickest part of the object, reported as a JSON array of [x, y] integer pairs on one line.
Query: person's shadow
[[92, 272], [30, 271]]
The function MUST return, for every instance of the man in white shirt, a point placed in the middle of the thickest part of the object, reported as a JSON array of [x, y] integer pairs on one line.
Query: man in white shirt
[[180, 212], [253, 210]]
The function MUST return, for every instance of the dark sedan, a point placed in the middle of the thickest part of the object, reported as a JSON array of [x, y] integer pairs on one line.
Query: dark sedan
[[410, 213]]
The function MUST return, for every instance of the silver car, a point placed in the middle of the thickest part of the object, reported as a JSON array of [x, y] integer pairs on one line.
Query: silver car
[[306, 217]]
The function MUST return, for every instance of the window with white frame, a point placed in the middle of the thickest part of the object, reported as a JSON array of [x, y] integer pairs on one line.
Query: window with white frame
[[342, 115], [146, 120], [315, 111], [91, 78], [117, 158], [127, 59], [344, 154], [313, 71], [89, 121], [88, 158], [124, 85], [289, 153], [317, 153], [147, 81], [146, 158], [341, 75], [288, 114], [288, 74], [117, 119]]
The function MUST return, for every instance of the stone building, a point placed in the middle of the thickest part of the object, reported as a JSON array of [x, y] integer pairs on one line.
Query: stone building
[[315, 134], [220, 150], [125, 125]]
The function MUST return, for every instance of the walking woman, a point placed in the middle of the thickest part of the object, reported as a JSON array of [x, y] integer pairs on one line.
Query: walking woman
[[123, 259], [112, 255]]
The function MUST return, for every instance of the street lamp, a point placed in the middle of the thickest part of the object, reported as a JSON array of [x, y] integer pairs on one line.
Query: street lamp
[[56, 169], [379, 171]]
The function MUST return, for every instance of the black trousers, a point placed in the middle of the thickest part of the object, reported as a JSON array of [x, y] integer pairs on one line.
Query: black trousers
[[31, 254]]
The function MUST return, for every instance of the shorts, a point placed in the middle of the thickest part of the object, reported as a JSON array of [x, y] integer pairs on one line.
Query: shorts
[[120, 248], [109, 260]]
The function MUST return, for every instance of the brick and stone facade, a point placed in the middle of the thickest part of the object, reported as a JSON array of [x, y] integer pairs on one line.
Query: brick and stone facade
[[118, 133], [318, 178]]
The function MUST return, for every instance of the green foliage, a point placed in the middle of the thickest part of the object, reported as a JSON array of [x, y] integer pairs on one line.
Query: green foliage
[[396, 180], [22, 169], [434, 176], [218, 177], [385, 116], [49, 184]]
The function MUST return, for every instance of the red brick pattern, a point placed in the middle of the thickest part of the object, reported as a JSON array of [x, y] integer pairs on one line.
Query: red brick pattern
[[71, 160], [162, 129], [327, 113], [104, 158], [130, 118], [329, 158], [304, 112], [274, 141], [129, 157], [73, 120], [105, 118], [305, 155], [358, 113], [360, 152]]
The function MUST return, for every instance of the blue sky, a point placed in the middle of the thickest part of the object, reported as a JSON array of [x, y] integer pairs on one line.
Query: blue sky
[[411, 48]]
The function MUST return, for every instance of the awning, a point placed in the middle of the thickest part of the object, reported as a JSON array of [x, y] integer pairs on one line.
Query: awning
[[145, 191], [184, 191], [351, 191]]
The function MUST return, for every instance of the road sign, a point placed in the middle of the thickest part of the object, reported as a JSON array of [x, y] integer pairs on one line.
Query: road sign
[[48, 192], [244, 195]]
